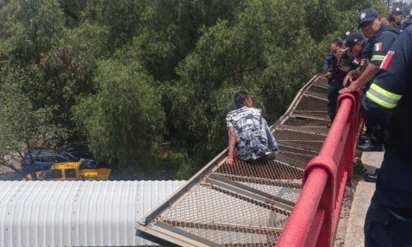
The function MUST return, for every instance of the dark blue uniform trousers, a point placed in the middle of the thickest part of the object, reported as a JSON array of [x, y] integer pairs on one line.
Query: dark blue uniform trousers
[[389, 218], [333, 92]]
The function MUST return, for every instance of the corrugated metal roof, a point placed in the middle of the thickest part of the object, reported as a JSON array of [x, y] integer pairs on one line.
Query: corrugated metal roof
[[81, 213]]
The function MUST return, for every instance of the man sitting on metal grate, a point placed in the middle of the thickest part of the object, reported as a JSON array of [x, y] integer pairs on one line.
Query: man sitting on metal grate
[[249, 132]]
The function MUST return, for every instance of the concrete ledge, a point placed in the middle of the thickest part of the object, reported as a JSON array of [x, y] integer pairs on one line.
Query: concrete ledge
[[363, 195]]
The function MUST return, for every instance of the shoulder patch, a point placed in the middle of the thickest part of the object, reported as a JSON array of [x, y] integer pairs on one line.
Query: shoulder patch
[[378, 47], [387, 60]]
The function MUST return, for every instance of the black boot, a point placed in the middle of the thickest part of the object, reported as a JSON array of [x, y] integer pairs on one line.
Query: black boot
[[371, 178], [374, 144], [365, 137], [370, 147]]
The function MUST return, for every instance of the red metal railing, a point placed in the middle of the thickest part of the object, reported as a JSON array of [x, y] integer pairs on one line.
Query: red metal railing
[[315, 217]]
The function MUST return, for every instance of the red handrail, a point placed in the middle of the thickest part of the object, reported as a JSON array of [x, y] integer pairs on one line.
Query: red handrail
[[314, 219]]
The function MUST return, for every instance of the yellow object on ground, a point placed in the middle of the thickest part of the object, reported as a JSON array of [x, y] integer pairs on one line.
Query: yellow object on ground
[[72, 171], [95, 174]]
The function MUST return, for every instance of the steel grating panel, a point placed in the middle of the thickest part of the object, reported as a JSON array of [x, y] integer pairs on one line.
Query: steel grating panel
[[226, 218], [306, 122], [246, 204], [283, 192], [319, 89], [302, 140], [312, 104], [266, 170], [294, 159]]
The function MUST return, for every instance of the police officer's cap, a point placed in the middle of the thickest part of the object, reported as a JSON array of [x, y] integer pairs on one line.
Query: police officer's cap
[[397, 11], [367, 15], [353, 38], [345, 35]]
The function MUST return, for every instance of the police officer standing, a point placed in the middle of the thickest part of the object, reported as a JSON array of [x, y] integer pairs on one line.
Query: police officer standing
[[389, 217], [357, 46], [341, 64], [397, 14], [381, 38]]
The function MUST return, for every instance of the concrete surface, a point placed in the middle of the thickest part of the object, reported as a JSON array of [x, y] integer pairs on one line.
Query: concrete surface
[[361, 201]]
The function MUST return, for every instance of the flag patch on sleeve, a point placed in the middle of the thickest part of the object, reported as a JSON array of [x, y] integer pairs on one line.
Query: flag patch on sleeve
[[378, 47], [387, 60]]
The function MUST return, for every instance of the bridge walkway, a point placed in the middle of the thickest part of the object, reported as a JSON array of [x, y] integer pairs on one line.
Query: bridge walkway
[[243, 204], [361, 201]]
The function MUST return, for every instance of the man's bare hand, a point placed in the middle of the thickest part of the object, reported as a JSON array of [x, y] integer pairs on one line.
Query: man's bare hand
[[344, 68], [327, 75], [352, 88], [229, 161], [348, 78]]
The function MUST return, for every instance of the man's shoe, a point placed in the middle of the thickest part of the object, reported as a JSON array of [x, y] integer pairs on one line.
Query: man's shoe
[[365, 137], [270, 155], [369, 147], [376, 172], [361, 142], [371, 178]]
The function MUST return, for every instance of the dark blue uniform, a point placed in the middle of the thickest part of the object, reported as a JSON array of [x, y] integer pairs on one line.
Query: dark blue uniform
[[364, 60], [389, 218], [335, 84], [374, 53], [380, 44], [406, 24], [328, 60], [398, 26]]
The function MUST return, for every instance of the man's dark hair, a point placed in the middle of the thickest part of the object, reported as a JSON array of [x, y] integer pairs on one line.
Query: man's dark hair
[[338, 42], [240, 98]]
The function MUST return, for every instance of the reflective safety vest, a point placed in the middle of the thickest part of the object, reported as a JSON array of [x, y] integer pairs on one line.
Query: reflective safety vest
[[383, 97]]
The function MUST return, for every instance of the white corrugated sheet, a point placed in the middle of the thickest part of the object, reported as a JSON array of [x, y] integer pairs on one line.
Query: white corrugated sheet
[[77, 213]]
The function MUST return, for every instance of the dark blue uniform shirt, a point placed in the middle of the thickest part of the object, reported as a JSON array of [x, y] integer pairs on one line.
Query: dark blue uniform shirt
[[331, 61], [328, 60], [347, 59], [380, 44], [364, 60], [398, 26], [406, 24]]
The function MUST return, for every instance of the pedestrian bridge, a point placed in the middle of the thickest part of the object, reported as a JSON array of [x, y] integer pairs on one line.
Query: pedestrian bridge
[[265, 204]]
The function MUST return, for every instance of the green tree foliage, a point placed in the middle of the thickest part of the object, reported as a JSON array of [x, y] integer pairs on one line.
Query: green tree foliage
[[37, 26], [23, 124], [57, 61], [122, 20], [63, 74], [124, 120], [171, 29]]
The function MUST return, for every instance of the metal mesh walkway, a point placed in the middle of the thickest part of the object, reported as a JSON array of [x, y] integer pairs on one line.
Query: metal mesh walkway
[[245, 204]]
